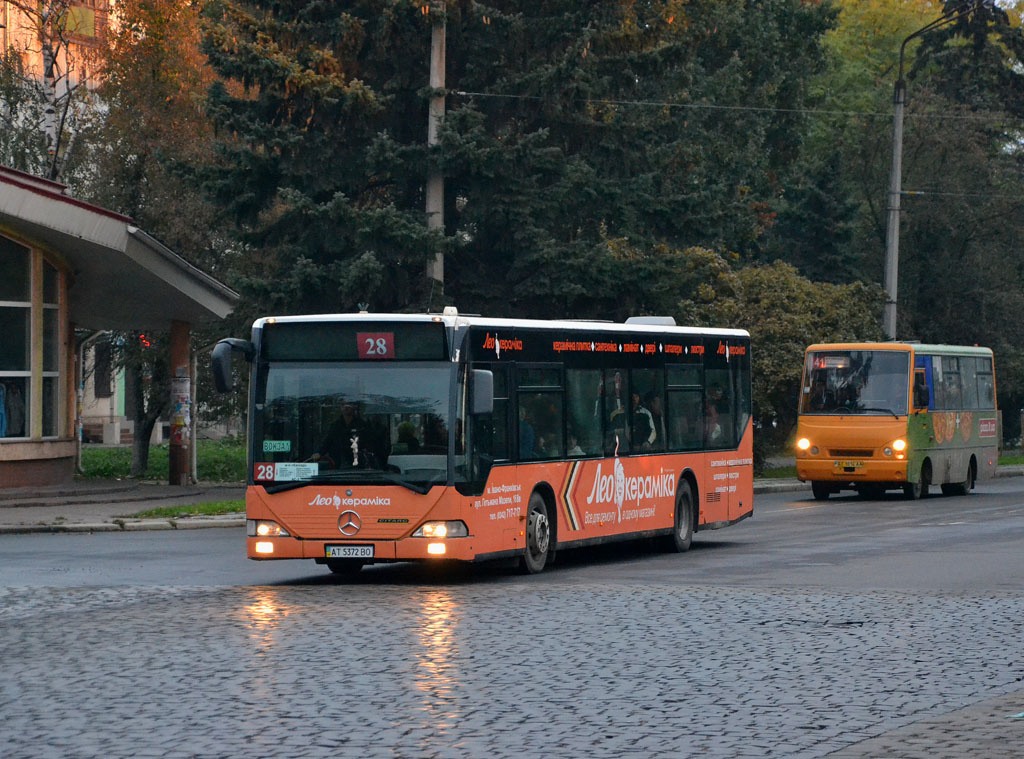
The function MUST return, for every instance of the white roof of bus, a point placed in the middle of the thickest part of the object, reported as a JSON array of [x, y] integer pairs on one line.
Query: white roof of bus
[[481, 321]]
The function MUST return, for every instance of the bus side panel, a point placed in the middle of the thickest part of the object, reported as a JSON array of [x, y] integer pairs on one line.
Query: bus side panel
[[593, 498], [949, 439]]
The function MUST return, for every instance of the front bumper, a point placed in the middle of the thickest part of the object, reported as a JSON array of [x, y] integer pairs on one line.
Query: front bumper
[[408, 549], [829, 470]]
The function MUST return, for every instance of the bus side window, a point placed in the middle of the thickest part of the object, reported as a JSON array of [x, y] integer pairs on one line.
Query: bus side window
[[969, 381], [685, 420], [920, 390], [583, 394], [986, 385], [719, 429]]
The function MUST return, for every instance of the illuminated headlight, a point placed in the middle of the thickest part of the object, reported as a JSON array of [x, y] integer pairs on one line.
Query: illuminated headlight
[[264, 528], [803, 444], [899, 445], [264, 547], [451, 529], [436, 549]]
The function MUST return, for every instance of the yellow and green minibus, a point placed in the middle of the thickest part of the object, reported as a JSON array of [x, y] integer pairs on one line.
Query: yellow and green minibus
[[878, 416]]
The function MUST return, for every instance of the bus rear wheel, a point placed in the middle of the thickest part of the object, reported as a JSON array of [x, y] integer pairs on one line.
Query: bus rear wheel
[[961, 488], [821, 491], [682, 533], [538, 536]]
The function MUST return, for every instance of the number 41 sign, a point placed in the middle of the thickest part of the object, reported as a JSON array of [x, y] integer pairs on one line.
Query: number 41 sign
[[376, 345]]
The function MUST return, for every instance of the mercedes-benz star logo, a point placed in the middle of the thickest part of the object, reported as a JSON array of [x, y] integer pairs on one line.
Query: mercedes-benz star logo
[[349, 523]]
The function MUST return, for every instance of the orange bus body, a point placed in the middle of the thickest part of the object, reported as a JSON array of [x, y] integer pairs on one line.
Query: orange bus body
[[377, 437], [583, 493]]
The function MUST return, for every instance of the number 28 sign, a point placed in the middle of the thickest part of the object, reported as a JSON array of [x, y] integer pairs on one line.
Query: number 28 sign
[[376, 345]]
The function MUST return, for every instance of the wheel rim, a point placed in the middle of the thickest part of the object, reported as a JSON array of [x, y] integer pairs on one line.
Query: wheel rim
[[539, 533]]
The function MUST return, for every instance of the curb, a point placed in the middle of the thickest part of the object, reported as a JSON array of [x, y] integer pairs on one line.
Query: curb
[[142, 525]]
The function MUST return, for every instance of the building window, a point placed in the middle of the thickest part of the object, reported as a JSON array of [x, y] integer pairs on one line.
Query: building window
[[31, 348]]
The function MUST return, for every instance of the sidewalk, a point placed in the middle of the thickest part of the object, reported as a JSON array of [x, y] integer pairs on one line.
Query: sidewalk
[[108, 505]]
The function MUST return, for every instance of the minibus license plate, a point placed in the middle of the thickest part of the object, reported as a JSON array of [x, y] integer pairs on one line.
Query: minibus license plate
[[851, 464], [349, 552]]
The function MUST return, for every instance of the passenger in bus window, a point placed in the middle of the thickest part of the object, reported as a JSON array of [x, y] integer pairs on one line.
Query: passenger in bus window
[[644, 432], [712, 429], [346, 443], [658, 416], [527, 436], [407, 441], [573, 449]]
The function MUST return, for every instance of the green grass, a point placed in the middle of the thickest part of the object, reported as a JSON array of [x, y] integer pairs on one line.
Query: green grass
[[216, 461], [778, 473], [198, 509], [1011, 460]]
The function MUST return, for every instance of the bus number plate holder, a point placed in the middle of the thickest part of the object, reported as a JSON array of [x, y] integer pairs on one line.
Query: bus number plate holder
[[850, 464], [349, 552]]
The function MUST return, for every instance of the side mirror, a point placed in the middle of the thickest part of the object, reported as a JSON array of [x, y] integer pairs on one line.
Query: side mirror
[[482, 387], [220, 361]]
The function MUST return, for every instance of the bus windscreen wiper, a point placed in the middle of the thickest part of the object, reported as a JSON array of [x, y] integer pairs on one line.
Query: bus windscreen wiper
[[876, 408]]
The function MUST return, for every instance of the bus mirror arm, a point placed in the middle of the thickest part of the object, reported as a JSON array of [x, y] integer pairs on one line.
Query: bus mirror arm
[[482, 401], [220, 361]]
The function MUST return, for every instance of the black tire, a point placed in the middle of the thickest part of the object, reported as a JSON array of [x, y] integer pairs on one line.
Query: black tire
[[538, 536], [917, 490], [682, 533], [821, 491], [345, 567], [961, 488]]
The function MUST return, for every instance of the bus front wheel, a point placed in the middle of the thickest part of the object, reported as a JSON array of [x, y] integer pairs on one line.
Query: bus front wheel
[[917, 490], [538, 536], [682, 534], [820, 491]]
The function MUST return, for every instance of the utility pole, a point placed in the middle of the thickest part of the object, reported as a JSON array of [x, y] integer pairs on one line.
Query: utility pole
[[435, 180], [892, 227]]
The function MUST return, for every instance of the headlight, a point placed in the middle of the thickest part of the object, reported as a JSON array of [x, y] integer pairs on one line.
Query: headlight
[[899, 445], [803, 444], [264, 528], [887, 451], [455, 528]]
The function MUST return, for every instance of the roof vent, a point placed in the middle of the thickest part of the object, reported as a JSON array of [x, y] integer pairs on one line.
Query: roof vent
[[661, 321], [450, 311]]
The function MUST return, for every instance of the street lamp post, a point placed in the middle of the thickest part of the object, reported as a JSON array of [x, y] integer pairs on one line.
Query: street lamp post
[[892, 228]]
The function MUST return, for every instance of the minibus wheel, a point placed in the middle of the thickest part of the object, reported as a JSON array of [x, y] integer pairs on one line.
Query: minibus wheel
[[821, 491], [538, 536], [919, 489]]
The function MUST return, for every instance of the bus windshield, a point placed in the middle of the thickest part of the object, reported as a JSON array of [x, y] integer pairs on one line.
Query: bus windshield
[[352, 423], [856, 382]]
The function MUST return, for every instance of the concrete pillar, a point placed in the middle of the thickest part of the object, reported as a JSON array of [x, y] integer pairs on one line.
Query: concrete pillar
[[181, 404]]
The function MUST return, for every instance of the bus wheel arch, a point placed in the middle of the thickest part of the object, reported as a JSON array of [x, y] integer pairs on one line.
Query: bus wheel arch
[[540, 530]]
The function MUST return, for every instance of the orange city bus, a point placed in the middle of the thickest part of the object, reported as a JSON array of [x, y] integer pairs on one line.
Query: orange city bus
[[874, 416], [397, 437]]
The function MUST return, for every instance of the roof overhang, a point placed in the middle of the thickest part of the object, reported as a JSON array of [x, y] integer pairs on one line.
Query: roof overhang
[[120, 277]]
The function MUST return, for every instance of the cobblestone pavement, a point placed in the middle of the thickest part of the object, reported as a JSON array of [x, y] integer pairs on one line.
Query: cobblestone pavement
[[505, 669]]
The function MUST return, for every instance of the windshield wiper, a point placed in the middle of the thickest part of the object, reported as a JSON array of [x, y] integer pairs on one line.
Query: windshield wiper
[[876, 408], [346, 476]]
